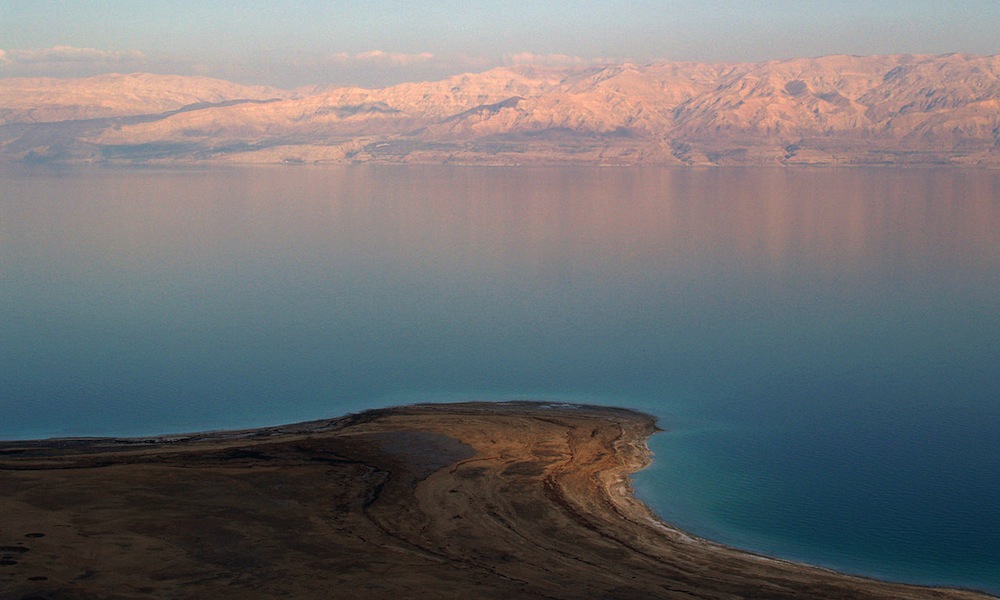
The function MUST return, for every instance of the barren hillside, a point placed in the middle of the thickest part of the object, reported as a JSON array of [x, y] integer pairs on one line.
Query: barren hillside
[[829, 110]]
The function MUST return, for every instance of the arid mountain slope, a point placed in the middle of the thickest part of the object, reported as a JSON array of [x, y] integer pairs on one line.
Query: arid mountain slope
[[829, 110], [39, 100]]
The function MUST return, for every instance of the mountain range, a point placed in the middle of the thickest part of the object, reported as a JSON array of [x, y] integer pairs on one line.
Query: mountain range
[[832, 110]]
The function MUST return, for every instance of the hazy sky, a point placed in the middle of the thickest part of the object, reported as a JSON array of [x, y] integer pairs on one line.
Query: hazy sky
[[372, 42]]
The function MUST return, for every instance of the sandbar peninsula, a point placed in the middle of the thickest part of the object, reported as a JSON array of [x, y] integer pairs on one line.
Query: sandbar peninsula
[[473, 500]]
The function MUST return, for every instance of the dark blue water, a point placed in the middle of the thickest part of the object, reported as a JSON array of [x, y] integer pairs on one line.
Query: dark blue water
[[820, 345]]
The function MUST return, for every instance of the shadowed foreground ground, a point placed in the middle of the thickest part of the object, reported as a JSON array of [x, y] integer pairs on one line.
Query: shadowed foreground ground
[[437, 501]]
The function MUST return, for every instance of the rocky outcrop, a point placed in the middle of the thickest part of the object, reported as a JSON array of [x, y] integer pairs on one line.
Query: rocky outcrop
[[829, 110]]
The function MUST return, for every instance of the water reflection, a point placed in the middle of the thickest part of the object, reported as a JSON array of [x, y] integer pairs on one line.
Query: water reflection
[[601, 276], [499, 219]]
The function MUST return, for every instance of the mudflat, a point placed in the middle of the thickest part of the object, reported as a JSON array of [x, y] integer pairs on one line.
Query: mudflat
[[476, 500]]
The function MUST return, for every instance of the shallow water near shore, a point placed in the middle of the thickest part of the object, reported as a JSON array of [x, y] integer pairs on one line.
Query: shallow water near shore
[[819, 344]]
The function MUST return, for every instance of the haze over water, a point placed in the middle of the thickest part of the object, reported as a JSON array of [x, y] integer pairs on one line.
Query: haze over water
[[820, 345]]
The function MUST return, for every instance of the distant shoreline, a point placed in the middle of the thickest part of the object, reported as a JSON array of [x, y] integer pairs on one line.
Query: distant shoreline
[[489, 500], [525, 164]]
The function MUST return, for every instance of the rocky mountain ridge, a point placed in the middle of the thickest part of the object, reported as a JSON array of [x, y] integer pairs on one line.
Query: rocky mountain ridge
[[840, 110]]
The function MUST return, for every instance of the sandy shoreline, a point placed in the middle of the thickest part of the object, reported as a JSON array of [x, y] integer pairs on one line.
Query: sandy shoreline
[[470, 500]]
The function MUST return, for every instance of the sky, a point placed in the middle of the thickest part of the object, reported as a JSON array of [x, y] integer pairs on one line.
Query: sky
[[373, 43]]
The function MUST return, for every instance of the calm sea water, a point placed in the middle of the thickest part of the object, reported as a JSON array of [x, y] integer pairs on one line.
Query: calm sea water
[[821, 346]]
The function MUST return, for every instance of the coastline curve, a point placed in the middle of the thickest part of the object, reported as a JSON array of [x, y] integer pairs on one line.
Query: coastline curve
[[488, 500]]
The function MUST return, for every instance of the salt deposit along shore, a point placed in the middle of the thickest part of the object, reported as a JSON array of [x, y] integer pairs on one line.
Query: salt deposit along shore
[[475, 500]]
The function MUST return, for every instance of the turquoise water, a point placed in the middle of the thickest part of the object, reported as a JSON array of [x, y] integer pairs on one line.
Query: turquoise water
[[819, 344]]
